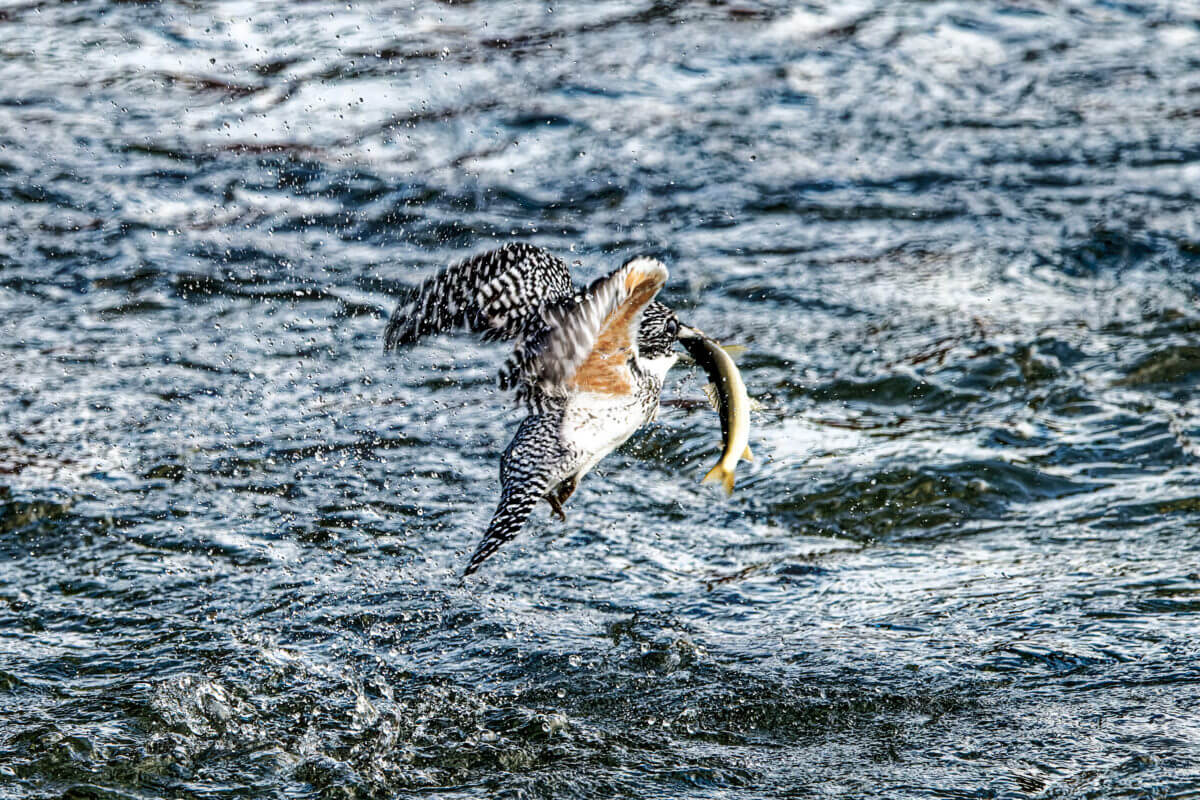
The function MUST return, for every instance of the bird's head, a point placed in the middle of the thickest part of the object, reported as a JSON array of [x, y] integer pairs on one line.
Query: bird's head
[[658, 332]]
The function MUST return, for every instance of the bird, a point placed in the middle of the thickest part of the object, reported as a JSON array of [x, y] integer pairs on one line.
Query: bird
[[587, 364]]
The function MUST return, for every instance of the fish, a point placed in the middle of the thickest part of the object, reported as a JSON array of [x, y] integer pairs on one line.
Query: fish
[[732, 401]]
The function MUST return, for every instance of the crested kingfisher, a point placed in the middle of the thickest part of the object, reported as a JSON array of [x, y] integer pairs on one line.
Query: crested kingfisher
[[587, 364]]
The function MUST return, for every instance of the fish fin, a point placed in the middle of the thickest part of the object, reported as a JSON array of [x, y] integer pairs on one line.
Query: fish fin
[[755, 405], [719, 473], [734, 349], [710, 392], [746, 454]]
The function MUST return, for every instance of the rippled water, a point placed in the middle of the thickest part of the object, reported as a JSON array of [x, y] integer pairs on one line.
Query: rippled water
[[960, 241]]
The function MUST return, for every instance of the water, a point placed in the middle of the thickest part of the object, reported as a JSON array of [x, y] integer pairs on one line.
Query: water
[[960, 241]]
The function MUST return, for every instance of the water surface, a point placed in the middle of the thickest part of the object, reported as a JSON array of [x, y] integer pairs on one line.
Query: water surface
[[960, 241]]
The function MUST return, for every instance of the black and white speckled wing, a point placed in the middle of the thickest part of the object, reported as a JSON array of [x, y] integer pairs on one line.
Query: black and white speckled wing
[[496, 294], [585, 343], [532, 460]]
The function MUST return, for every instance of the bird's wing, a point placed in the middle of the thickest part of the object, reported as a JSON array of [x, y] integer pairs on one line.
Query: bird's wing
[[585, 343], [531, 459], [496, 294]]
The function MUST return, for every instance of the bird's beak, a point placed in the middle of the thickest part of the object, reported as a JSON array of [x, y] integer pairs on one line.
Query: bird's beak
[[692, 341]]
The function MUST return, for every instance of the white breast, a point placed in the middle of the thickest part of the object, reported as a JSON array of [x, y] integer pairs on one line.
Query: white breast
[[596, 424], [658, 366]]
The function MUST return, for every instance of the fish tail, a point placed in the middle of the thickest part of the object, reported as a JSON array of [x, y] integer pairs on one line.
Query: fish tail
[[720, 473]]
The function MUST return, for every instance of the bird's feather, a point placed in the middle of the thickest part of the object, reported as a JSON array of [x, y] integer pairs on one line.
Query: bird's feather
[[586, 343], [497, 294], [530, 462]]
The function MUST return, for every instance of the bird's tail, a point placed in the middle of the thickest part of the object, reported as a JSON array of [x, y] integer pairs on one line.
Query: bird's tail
[[722, 474]]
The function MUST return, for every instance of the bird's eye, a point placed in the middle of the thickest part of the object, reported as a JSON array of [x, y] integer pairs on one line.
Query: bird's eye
[[672, 327]]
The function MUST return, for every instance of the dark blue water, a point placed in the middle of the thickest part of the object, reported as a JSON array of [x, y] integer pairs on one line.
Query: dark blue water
[[960, 241]]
